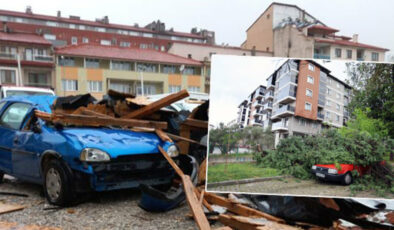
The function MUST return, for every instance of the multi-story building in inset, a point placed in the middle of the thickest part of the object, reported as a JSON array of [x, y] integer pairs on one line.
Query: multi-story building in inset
[[301, 98], [26, 59], [289, 31], [251, 110]]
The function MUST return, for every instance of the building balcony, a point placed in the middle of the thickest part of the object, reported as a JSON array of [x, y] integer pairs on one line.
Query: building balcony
[[39, 58], [257, 104], [346, 114], [285, 99], [269, 95], [320, 116], [270, 86], [283, 111], [321, 56], [267, 106], [279, 126], [8, 56], [259, 95]]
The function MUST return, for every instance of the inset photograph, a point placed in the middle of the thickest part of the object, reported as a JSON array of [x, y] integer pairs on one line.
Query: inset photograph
[[301, 127]]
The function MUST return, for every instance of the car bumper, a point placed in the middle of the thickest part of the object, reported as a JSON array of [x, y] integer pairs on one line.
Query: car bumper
[[327, 176], [123, 173]]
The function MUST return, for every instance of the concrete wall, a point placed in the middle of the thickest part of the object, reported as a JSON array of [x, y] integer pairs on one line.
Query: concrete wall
[[308, 127], [260, 34], [290, 42]]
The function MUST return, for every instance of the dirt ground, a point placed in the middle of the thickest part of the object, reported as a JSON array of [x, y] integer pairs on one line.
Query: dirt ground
[[109, 210], [294, 186]]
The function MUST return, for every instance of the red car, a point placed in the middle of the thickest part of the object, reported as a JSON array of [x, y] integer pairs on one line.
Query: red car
[[343, 173]]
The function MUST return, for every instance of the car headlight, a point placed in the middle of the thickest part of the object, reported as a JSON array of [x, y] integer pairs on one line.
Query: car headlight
[[314, 167], [332, 171], [173, 151], [94, 155]]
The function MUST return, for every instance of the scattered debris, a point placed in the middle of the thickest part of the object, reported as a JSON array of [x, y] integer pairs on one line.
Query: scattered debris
[[18, 226], [6, 208]]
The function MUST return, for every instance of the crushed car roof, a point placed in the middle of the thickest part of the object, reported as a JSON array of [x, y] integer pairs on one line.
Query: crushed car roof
[[43, 103]]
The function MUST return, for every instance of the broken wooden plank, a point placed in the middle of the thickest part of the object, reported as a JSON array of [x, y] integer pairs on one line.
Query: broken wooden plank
[[17, 226], [157, 105], [179, 138], [163, 136], [184, 132], [239, 208], [329, 203], [196, 123], [242, 222], [197, 210], [234, 223], [202, 172], [6, 208], [97, 121], [172, 162], [119, 95], [88, 112]]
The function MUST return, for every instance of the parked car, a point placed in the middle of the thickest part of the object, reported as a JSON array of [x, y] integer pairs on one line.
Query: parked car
[[9, 91], [69, 160], [342, 174]]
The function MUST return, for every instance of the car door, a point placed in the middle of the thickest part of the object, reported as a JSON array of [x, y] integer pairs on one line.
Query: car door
[[11, 121]]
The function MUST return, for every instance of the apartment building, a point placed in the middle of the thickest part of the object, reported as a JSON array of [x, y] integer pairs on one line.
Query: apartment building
[[289, 31], [89, 68], [251, 110], [302, 97], [26, 60]]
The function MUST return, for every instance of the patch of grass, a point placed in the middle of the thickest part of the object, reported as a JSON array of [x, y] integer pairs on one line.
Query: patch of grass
[[237, 171]]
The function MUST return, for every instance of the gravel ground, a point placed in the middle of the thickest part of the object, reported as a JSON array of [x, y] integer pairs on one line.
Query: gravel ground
[[109, 210], [294, 186]]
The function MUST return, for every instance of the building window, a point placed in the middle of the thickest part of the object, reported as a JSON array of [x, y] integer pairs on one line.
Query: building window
[[67, 61], [338, 95], [148, 90], [92, 63], [38, 80], [349, 54], [302, 122], [7, 77], [163, 48], [174, 88], [143, 46], [189, 71], [375, 56], [125, 44], [311, 67], [328, 115], [145, 67], [308, 92], [338, 85], [308, 106], [50, 36], [309, 79], [121, 65], [328, 103], [338, 107], [330, 81], [74, 40], [338, 118], [69, 85], [95, 86], [169, 69], [85, 40], [338, 52], [328, 91], [105, 42], [193, 89]]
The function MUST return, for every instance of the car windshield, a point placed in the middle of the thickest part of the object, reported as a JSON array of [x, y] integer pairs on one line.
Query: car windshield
[[11, 93]]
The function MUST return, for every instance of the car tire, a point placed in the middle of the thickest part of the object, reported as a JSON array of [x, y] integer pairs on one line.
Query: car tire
[[58, 188], [347, 179]]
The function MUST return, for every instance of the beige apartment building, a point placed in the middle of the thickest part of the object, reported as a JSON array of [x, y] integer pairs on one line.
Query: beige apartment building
[[289, 31]]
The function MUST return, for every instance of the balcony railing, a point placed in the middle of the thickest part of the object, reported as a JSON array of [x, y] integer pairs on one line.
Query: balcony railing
[[259, 94], [321, 56], [268, 95], [6, 55], [38, 57], [320, 116], [280, 125], [257, 103], [286, 109], [270, 85], [360, 59], [267, 106]]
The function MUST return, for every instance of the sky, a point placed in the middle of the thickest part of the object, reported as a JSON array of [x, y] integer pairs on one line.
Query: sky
[[372, 20], [234, 78]]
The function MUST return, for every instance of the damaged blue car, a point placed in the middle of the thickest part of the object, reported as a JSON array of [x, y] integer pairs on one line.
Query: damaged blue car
[[71, 160]]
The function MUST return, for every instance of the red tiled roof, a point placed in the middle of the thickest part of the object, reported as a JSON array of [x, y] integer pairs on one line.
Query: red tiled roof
[[24, 38], [350, 43], [322, 29], [134, 54], [92, 23]]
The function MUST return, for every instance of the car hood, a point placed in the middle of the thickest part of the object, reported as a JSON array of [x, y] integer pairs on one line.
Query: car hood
[[115, 142]]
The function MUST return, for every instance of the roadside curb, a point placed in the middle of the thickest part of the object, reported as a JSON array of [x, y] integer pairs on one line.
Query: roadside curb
[[244, 181]]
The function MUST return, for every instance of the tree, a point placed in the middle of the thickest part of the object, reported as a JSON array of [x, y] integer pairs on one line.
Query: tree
[[258, 138], [223, 137], [373, 87]]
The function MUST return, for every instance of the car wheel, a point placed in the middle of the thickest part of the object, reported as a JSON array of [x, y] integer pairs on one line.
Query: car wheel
[[57, 184], [347, 179]]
